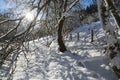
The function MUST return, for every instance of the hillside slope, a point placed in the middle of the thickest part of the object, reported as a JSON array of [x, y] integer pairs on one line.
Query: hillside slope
[[84, 61]]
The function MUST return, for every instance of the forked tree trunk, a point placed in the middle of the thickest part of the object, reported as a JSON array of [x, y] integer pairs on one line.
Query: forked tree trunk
[[61, 44], [113, 11], [116, 48], [113, 44]]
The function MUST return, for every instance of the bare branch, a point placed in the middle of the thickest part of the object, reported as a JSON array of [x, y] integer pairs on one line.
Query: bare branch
[[64, 14], [33, 22], [6, 20], [3, 36]]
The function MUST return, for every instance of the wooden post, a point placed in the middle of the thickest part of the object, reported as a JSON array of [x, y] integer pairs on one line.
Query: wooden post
[[70, 36], [92, 35], [78, 36]]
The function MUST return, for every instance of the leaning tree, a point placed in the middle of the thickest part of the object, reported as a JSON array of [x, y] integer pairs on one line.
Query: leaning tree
[[107, 11]]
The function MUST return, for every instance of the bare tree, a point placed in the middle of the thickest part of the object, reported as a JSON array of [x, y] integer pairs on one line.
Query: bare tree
[[106, 10], [11, 46]]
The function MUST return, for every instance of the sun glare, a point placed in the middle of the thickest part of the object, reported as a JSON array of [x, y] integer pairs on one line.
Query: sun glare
[[29, 16]]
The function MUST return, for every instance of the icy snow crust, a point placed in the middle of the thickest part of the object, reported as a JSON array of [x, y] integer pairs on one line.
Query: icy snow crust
[[84, 61]]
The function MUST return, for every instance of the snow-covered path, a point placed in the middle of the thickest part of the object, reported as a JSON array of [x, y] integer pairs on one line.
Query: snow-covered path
[[43, 65], [84, 61], [92, 59], [100, 65], [92, 56]]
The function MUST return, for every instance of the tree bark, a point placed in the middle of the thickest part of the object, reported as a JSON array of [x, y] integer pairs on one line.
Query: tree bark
[[113, 11], [61, 44], [114, 50], [113, 45]]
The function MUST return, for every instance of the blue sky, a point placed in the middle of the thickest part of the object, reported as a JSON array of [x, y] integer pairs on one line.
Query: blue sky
[[4, 4], [86, 3]]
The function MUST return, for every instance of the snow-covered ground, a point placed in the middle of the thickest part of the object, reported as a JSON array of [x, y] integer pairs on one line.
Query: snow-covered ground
[[84, 61]]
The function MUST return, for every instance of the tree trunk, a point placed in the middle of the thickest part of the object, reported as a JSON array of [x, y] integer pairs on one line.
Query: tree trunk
[[116, 48], [113, 11], [61, 44], [113, 45]]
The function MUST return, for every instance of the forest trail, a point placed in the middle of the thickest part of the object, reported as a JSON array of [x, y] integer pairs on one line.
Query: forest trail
[[84, 61]]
